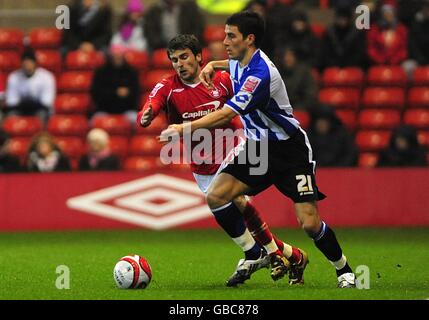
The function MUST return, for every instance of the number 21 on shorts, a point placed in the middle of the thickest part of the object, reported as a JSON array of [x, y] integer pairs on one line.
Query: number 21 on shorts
[[304, 183]]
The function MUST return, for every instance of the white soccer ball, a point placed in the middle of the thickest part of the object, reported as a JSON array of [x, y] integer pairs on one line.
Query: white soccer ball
[[132, 272]]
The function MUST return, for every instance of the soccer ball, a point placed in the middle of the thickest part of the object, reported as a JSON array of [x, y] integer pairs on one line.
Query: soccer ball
[[132, 272]]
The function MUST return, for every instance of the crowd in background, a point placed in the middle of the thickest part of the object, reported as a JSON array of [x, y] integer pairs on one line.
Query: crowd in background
[[399, 35]]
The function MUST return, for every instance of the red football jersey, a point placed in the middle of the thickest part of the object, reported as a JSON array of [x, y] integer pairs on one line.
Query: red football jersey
[[183, 102]]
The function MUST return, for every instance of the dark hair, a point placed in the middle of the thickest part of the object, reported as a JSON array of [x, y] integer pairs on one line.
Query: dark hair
[[248, 22], [184, 41], [28, 54]]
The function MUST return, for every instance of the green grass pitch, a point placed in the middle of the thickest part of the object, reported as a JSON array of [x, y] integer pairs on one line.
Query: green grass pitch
[[194, 264]]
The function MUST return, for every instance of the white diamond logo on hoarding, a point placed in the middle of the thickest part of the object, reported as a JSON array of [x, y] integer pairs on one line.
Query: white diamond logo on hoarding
[[157, 202]]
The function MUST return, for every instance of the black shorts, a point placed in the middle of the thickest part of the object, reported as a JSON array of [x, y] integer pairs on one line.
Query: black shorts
[[289, 167]]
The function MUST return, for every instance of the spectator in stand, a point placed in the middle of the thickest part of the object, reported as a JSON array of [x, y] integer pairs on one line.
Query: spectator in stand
[[8, 162], [343, 44], [387, 39], [301, 37], [404, 149], [31, 89], [90, 26], [419, 36], [99, 157], [44, 155], [333, 145], [115, 86], [130, 31], [166, 19], [301, 87]]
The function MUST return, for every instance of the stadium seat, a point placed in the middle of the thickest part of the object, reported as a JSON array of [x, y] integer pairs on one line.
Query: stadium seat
[[9, 61], [22, 126], [149, 79], [368, 159], [347, 117], [144, 145], [138, 59], [303, 118], [137, 163], [80, 60], [318, 29], [343, 77], [421, 76], [114, 124], [423, 136], [377, 97], [72, 103], [49, 59], [72, 147], [418, 118], [18, 146], [158, 124], [372, 140], [3, 80], [75, 81], [119, 146], [160, 59], [379, 119], [386, 76], [45, 38], [11, 39], [418, 97], [214, 32], [340, 97], [68, 125]]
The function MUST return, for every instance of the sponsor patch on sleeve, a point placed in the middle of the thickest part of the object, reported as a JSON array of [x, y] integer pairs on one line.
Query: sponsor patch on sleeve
[[155, 90], [251, 84]]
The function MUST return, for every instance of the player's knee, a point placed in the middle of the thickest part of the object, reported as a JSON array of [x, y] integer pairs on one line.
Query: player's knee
[[215, 200], [308, 218]]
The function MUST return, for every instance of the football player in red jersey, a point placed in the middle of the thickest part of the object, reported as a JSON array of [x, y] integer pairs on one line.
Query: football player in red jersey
[[184, 98]]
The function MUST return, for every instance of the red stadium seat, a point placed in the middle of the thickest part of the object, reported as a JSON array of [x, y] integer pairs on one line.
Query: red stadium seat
[[387, 76], [421, 76], [114, 124], [379, 119], [377, 97], [423, 137], [45, 38], [418, 118], [9, 61], [22, 126], [348, 118], [75, 81], [368, 159], [136, 163], [3, 81], [68, 125], [340, 98], [49, 59], [119, 146], [318, 29], [158, 124], [215, 32], [18, 146], [11, 39], [149, 79], [160, 59], [345, 77], [72, 103], [138, 59], [372, 140], [418, 97], [144, 145], [303, 118], [80, 60], [73, 147]]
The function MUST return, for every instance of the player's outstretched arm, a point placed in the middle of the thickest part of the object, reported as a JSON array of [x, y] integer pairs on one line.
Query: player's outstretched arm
[[213, 120], [207, 73]]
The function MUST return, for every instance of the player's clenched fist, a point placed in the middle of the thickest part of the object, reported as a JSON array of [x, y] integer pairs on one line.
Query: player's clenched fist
[[147, 117]]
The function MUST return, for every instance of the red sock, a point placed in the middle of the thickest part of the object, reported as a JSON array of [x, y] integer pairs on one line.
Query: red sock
[[256, 226]]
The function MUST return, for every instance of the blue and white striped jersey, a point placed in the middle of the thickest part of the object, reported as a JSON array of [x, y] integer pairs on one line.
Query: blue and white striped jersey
[[261, 100]]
